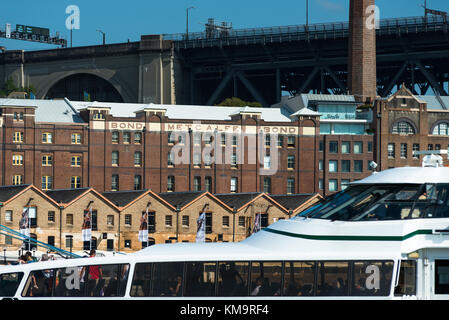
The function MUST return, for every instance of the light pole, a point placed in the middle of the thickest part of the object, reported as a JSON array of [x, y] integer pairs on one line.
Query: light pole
[[104, 36], [187, 22]]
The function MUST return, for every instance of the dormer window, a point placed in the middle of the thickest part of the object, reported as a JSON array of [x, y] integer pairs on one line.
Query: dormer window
[[18, 116], [98, 116]]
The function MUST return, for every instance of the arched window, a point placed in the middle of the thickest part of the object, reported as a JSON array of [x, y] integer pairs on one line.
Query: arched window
[[441, 129], [403, 127]]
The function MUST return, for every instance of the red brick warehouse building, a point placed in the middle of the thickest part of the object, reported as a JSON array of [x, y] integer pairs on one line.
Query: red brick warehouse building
[[60, 144]]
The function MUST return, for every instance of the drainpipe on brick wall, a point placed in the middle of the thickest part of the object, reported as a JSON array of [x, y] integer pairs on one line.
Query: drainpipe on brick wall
[[60, 226], [234, 213]]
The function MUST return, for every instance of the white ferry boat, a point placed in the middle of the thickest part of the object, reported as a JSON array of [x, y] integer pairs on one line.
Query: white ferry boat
[[384, 237]]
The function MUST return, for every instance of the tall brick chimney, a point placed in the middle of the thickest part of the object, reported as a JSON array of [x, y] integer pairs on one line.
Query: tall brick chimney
[[362, 51]]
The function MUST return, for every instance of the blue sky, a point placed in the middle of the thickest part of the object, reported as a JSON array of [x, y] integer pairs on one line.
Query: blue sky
[[123, 20]]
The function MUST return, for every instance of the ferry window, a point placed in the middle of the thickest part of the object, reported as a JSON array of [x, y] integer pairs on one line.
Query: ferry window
[[266, 278], [40, 284], [332, 278], [140, 286], [200, 279], [407, 279], [91, 281], [233, 279], [441, 276], [9, 282], [371, 278], [168, 279], [299, 278]]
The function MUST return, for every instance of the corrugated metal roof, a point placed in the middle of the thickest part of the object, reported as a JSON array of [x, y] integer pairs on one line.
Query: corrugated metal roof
[[434, 104], [57, 111], [189, 112]]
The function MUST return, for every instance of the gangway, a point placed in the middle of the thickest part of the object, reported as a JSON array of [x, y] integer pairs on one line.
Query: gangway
[[17, 235]]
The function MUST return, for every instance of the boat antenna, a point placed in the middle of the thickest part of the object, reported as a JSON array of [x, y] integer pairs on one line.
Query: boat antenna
[[432, 158]]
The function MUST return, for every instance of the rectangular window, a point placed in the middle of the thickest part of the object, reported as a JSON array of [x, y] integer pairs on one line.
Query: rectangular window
[[47, 182], [262, 273], [333, 166], [320, 165], [370, 146], [185, 221], [197, 159], [75, 182], [17, 179], [291, 141], [358, 166], [114, 182], [333, 147], [403, 150], [346, 147], [208, 184], [290, 186], [415, 148], [280, 142], [47, 137], [170, 183], [10, 283], [242, 222], [197, 183], [391, 150], [69, 219], [291, 162], [17, 137], [234, 140], [358, 147], [267, 184], [76, 161], [137, 137], [168, 220], [170, 138], [17, 160], [76, 138], [345, 165], [267, 162], [8, 215], [225, 221], [137, 182], [126, 137], [299, 272], [267, 140], [223, 139], [115, 136], [333, 185], [197, 139], [47, 160], [234, 184], [170, 160], [363, 282], [151, 221], [128, 219], [51, 216], [110, 220], [332, 278], [407, 279], [137, 159], [114, 158], [234, 160]]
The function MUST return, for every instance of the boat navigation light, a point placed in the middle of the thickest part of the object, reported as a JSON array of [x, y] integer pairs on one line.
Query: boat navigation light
[[432, 158]]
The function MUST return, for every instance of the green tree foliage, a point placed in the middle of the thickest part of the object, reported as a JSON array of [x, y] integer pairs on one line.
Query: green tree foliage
[[9, 87], [237, 102]]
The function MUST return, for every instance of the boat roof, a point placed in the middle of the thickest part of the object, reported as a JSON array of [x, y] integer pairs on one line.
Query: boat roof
[[407, 175]]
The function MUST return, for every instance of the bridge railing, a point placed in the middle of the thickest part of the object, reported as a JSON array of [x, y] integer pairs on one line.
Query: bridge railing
[[302, 32]]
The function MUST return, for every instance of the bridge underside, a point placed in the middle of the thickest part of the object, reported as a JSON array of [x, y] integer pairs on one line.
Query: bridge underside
[[264, 71]]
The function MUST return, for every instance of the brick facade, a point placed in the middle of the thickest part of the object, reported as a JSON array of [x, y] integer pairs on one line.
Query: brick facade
[[59, 216]]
